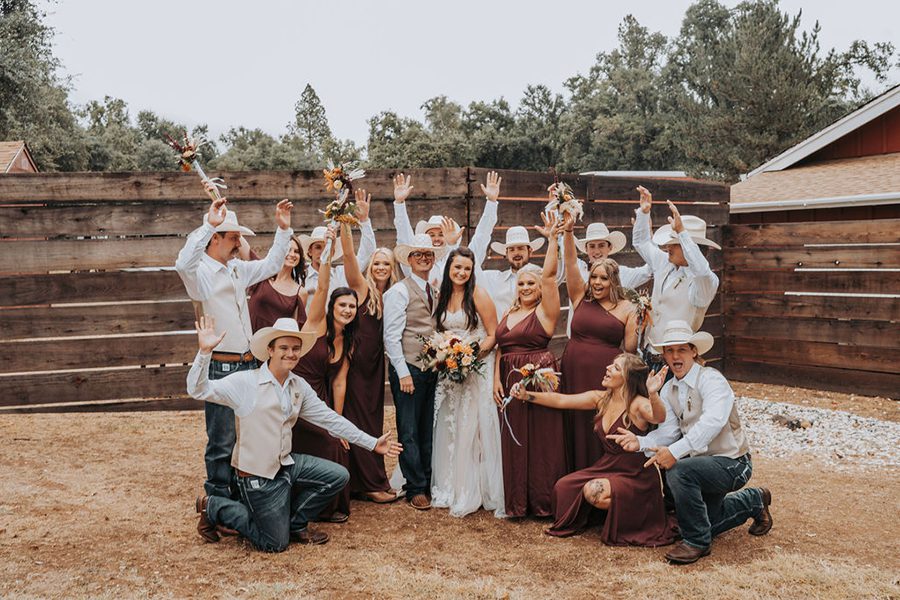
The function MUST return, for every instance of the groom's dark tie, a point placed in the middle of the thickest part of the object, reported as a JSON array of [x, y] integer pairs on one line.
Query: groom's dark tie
[[430, 297]]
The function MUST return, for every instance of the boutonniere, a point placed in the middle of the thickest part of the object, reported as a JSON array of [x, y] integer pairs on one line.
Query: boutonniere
[[681, 277]]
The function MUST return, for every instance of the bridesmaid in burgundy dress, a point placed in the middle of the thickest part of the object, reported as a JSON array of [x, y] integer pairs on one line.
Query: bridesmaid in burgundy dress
[[283, 295], [364, 406], [604, 323], [324, 368], [530, 470], [617, 490]]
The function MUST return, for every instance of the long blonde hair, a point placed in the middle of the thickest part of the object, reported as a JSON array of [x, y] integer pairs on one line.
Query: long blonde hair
[[612, 271], [634, 371], [535, 272], [374, 303]]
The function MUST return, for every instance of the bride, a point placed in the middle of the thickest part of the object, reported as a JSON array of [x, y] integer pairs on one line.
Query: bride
[[466, 471]]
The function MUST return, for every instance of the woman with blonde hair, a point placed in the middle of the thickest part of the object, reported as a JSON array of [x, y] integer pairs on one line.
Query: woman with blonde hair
[[617, 488], [364, 406]]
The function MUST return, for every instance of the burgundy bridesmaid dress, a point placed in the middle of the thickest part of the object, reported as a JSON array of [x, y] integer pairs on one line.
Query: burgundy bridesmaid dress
[[267, 305]]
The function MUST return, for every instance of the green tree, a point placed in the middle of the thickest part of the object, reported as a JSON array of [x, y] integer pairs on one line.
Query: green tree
[[310, 125], [254, 149]]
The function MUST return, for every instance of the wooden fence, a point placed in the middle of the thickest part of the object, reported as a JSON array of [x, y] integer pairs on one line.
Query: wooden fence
[[814, 302], [94, 318]]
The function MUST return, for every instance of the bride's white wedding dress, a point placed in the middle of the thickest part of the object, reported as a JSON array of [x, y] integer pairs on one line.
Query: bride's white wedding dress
[[466, 467]]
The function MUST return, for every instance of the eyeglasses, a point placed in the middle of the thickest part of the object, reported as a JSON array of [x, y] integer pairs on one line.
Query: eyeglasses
[[417, 255]]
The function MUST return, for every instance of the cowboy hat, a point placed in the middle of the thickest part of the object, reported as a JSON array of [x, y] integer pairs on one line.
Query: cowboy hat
[[318, 235], [599, 232], [517, 236], [229, 224], [433, 222], [284, 327], [679, 332], [420, 242], [696, 228]]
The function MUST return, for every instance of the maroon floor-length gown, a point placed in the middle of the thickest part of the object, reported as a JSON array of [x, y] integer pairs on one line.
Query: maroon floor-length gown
[[364, 405], [636, 515], [529, 470], [315, 368], [267, 305], [595, 341]]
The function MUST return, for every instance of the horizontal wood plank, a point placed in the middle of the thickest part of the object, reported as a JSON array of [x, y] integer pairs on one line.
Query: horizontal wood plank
[[820, 354], [797, 234], [787, 330], [860, 257], [528, 212], [110, 286], [822, 307], [154, 404], [817, 378], [778, 282]]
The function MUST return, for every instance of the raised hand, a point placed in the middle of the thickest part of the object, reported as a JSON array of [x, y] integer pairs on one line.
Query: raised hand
[[675, 219], [283, 214], [207, 338], [402, 188], [646, 199], [568, 222], [363, 202], [452, 231], [551, 191], [216, 214], [552, 225], [627, 440], [330, 236], [386, 447], [656, 380], [492, 189]]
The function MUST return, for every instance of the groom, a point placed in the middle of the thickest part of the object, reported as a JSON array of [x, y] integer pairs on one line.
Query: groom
[[408, 307]]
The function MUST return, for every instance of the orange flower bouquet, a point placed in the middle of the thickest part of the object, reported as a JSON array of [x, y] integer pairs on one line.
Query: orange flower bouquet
[[564, 201], [189, 159], [451, 356]]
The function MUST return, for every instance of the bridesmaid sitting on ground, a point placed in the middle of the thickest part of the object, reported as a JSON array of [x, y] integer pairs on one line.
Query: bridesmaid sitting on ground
[[364, 406], [617, 489], [531, 469]]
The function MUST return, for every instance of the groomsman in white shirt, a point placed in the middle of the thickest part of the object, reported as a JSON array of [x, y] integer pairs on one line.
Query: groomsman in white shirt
[[217, 281], [702, 447]]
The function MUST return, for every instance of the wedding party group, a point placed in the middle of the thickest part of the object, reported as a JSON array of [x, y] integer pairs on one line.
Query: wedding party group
[[628, 432]]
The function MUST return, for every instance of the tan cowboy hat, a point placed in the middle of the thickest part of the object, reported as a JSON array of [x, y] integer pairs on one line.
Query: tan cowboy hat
[[318, 235], [599, 232], [284, 327], [229, 224], [433, 222], [679, 332], [420, 242], [517, 236], [696, 228]]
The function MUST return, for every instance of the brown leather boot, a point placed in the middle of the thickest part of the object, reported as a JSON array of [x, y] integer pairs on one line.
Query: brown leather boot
[[763, 521], [204, 527], [382, 497], [309, 536], [685, 554], [420, 502]]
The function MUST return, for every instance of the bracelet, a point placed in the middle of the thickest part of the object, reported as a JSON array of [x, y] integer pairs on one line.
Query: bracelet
[[569, 230]]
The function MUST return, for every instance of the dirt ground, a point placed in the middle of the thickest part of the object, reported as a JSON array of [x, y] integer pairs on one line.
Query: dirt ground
[[101, 506]]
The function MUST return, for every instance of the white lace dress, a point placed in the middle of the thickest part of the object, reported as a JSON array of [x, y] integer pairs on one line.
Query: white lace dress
[[466, 464]]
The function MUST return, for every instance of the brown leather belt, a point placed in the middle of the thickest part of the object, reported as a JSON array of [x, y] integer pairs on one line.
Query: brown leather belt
[[232, 357], [244, 473]]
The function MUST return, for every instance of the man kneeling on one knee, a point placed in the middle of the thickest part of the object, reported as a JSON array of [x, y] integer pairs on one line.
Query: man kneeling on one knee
[[280, 491], [702, 448]]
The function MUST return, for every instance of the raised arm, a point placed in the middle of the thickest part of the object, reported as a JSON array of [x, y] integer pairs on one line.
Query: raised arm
[[257, 270], [549, 309], [629, 344], [487, 312], [189, 257], [352, 269], [315, 314], [574, 282], [402, 189], [704, 282], [485, 228], [199, 387], [583, 401]]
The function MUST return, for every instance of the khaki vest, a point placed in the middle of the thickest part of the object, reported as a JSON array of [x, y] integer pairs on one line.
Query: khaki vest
[[673, 304], [227, 302], [730, 442], [264, 436], [418, 321]]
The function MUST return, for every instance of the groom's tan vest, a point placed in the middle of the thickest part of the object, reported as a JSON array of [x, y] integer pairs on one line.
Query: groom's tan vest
[[730, 442], [672, 304], [418, 321]]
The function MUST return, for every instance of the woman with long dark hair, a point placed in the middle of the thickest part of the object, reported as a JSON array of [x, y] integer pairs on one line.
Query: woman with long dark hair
[[325, 368], [617, 489], [282, 295], [466, 471]]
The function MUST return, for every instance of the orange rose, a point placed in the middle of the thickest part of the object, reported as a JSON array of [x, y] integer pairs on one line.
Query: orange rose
[[451, 363]]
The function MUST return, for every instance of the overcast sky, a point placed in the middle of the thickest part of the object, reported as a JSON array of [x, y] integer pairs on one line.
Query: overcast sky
[[225, 64]]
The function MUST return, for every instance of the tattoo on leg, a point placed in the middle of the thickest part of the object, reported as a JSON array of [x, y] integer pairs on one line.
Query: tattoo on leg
[[594, 492]]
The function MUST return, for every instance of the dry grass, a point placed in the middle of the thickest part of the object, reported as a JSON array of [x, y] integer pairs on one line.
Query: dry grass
[[101, 506]]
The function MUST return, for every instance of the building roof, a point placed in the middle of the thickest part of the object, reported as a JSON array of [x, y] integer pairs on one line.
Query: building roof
[[10, 151]]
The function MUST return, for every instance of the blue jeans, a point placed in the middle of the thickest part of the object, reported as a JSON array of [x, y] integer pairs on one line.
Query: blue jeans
[[270, 509], [415, 424], [704, 507], [220, 434]]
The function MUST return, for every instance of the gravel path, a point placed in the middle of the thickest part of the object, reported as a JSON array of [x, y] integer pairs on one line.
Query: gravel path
[[836, 438]]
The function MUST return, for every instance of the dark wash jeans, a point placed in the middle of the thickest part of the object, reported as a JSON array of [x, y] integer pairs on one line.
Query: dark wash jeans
[[220, 434], [704, 507], [270, 509], [415, 425]]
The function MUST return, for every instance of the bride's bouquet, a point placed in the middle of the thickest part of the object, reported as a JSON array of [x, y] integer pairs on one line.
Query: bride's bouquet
[[451, 356], [565, 202]]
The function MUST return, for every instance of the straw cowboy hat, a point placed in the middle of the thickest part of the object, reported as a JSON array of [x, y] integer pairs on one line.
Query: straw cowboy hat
[[696, 228], [433, 222], [318, 235], [230, 224], [517, 236], [420, 242], [599, 232], [284, 327], [679, 332]]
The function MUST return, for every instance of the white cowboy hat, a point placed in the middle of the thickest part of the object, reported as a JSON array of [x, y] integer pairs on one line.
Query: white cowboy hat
[[433, 222], [517, 236], [696, 228], [420, 242], [679, 332], [284, 327], [318, 235], [599, 232], [229, 224]]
